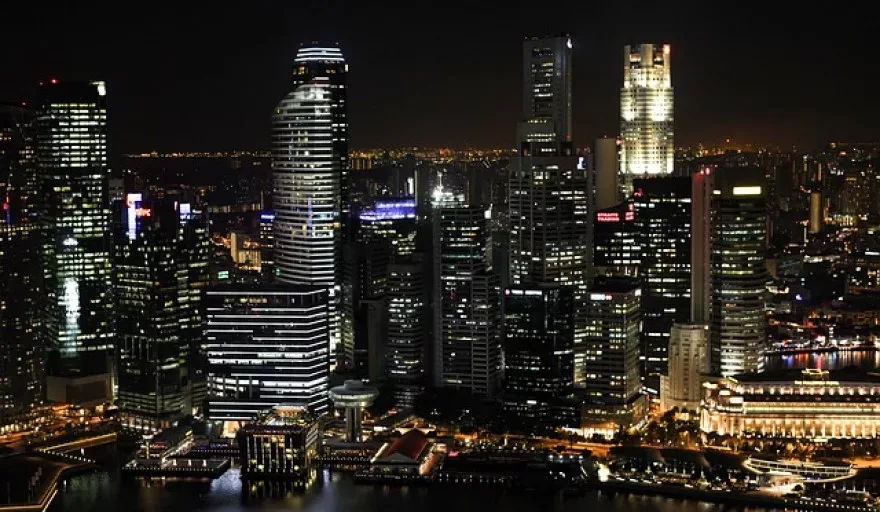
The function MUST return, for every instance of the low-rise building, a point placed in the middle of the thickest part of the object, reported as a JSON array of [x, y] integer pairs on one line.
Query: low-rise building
[[805, 404], [282, 446]]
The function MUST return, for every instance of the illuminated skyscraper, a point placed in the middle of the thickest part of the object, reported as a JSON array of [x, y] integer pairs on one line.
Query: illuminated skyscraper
[[266, 345], [663, 215], [612, 391], [161, 254], [74, 217], [539, 357], [467, 340], [548, 186], [406, 347], [310, 175], [702, 189], [21, 358], [546, 89], [739, 272], [646, 113]]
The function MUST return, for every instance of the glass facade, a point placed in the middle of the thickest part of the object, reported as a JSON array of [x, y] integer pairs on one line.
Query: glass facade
[[406, 348], [466, 305], [74, 217], [161, 253], [739, 272]]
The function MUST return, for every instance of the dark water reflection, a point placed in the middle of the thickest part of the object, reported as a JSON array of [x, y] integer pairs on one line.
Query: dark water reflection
[[867, 359], [104, 492]]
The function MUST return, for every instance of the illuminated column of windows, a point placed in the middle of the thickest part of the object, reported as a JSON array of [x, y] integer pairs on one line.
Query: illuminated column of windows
[[266, 346], [646, 112]]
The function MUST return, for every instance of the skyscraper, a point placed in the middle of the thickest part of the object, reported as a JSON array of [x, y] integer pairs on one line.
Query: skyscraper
[[663, 215], [161, 253], [266, 345], [546, 89], [646, 113], [310, 175], [617, 241], [21, 368], [539, 357], [74, 218], [467, 342], [612, 391], [739, 272], [406, 349], [548, 194]]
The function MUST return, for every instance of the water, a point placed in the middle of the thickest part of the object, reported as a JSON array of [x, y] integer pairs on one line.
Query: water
[[336, 492], [103, 492], [867, 359]]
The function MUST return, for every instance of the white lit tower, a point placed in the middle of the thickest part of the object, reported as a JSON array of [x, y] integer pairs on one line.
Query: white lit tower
[[310, 174], [646, 113]]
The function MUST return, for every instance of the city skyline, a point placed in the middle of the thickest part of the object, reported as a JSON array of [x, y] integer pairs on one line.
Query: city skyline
[[747, 75]]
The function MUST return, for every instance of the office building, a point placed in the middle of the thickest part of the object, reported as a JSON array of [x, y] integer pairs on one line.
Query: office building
[[74, 218], [663, 216], [688, 361], [549, 186], [282, 446], [546, 90], [739, 272], [613, 389], [794, 404], [364, 279], [703, 186], [266, 345], [617, 241], [646, 113], [267, 246], [817, 212], [467, 340], [606, 170], [539, 357], [310, 175], [161, 252], [21, 357], [393, 221], [406, 349]]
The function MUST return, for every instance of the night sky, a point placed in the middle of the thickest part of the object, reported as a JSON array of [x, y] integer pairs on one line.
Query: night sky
[[198, 76]]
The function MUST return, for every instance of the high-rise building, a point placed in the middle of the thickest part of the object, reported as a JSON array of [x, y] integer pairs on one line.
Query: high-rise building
[[688, 360], [267, 246], [406, 349], [21, 368], [74, 218], [606, 170], [266, 345], [739, 272], [546, 90], [613, 389], [646, 113], [310, 175], [701, 244], [549, 186], [539, 357], [467, 339], [663, 215], [817, 215], [364, 279], [393, 221], [617, 241], [161, 252]]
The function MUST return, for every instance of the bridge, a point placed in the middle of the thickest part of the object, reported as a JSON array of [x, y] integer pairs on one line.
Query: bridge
[[79, 443]]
